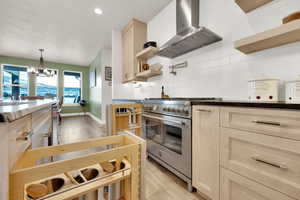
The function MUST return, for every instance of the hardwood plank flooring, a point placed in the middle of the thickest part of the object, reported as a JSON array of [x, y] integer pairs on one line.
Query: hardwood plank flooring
[[160, 183]]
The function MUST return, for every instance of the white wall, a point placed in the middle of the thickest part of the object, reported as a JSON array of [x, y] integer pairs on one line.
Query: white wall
[[106, 85], [220, 70]]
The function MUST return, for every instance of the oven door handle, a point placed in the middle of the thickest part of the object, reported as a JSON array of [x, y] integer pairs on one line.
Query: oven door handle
[[162, 119]]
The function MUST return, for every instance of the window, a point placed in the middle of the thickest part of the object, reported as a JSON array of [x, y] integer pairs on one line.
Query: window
[[15, 82], [72, 87], [47, 86]]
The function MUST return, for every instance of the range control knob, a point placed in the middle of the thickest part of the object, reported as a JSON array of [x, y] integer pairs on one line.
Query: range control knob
[[178, 110], [181, 110], [186, 111]]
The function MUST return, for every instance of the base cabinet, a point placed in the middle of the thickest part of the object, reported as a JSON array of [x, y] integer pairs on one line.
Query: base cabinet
[[206, 150], [236, 187], [4, 169], [246, 153]]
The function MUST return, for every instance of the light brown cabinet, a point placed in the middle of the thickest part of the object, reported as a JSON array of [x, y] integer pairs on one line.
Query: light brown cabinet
[[16, 139], [134, 35], [206, 150], [246, 153], [84, 175], [236, 187], [270, 160]]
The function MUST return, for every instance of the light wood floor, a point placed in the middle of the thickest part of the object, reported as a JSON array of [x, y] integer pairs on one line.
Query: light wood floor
[[160, 183]]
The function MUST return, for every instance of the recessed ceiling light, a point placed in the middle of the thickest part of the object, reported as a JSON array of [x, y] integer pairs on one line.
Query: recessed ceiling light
[[98, 11]]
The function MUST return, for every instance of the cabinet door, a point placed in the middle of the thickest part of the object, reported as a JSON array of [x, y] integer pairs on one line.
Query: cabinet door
[[272, 161], [206, 150], [236, 187], [128, 53], [4, 171]]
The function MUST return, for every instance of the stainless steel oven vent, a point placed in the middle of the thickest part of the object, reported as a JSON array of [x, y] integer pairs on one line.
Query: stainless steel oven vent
[[190, 35]]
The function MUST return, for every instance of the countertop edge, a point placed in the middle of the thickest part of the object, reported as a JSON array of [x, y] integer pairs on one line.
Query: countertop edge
[[275, 105], [14, 115]]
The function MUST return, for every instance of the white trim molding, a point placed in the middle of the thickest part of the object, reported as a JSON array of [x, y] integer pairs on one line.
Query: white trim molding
[[99, 121], [96, 119], [72, 114]]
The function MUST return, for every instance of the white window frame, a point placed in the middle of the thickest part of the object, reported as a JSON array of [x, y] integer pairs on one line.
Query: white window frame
[[1, 77], [57, 84], [81, 88]]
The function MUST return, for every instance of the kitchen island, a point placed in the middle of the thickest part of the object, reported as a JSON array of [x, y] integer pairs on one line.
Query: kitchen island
[[19, 122]]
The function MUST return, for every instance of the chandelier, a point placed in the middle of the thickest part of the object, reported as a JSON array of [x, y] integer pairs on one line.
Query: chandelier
[[41, 69]]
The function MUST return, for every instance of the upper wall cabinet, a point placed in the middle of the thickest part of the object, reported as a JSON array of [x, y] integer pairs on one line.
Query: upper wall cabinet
[[249, 5], [134, 36]]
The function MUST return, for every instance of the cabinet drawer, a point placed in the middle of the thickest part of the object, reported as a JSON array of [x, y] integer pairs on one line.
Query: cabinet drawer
[[20, 127], [16, 142], [236, 187], [281, 123], [272, 161]]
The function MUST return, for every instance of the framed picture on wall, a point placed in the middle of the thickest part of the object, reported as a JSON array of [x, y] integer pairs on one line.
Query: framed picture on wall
[[108, 73], [93, 78]]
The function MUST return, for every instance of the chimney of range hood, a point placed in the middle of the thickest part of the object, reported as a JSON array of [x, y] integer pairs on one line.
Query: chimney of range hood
[[190, 35]]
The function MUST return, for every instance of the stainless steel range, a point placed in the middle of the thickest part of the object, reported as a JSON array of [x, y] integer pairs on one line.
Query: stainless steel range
[[167, 127]]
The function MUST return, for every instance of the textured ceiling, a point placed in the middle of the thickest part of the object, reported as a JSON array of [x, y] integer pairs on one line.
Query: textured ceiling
[[69, 30]]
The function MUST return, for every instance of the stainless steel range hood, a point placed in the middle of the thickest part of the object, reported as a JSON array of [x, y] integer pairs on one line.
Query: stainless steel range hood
[[190, 35]]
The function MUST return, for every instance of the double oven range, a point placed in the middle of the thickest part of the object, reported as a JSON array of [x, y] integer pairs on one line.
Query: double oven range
[[167, 127]]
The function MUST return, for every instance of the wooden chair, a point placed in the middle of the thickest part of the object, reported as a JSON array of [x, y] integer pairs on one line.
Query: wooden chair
[[58, 108]]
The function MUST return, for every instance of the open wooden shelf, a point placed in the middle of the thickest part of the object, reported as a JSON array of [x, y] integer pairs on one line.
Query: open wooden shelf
[[147, 53], [123, 115], [249, 5], [130, 120], [127, 114], [284, 34], [149, 73]]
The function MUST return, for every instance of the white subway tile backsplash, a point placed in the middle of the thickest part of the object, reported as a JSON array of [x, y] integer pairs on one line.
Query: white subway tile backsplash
[[220, 70]]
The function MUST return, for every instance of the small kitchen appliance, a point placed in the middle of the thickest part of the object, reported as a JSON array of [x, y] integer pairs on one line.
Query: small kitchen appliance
[[264, 89], [292, 89]]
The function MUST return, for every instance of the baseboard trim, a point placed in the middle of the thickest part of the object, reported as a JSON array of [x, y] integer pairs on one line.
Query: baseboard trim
[[96, 119], [99, 121], [72, 114]]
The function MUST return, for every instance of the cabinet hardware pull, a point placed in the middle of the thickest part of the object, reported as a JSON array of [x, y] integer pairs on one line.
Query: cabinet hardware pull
[[25, 136], [277, 165], [160, 153], [267, 123], [202, 110], [166, 120]]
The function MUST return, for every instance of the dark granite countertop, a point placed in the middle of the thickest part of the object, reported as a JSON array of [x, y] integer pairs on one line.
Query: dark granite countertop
[[232, 103]]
